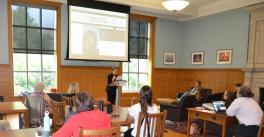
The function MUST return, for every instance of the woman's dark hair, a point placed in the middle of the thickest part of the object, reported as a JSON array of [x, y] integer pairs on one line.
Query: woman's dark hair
[[231, 96], [145, 98], [84, 102], [244, 91], [238, 85]]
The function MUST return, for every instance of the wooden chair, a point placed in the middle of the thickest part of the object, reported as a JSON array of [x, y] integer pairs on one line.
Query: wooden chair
[[156, 124], [112, 132], [58, 118], [260, 131], [69, 100]]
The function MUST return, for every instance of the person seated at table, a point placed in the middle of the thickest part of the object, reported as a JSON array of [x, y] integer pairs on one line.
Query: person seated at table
[[248, 113], [192, 90], [71, 92], [229, 97], [73, 88], [200, 97], [86, 117], [4, 125], [39, 90], [145, 105]]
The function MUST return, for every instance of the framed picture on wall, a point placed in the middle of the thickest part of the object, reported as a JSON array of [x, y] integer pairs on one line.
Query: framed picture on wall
[[198, 57], [224, 56], [169, 58]]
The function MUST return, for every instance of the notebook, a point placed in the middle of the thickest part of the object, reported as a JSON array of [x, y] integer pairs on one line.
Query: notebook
[[219, 106]]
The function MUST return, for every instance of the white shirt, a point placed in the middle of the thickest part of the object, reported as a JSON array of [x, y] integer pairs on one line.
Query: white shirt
[[246, 110], [134, 112]]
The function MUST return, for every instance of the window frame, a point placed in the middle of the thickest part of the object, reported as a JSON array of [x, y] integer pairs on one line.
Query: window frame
[[48, 4], [151, 47]]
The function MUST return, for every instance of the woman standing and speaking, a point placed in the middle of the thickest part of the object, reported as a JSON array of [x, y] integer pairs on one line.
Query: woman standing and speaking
[[111, 89]]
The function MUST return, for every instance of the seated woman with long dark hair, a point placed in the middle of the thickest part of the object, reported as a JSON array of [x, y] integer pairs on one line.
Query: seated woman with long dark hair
[[86, 117], [145, 105]]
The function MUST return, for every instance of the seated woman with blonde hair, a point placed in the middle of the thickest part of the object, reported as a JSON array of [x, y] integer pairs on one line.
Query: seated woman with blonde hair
[[73, 88], [86, 117]]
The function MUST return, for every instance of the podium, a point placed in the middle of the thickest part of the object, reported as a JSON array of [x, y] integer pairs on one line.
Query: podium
[[119, 84]]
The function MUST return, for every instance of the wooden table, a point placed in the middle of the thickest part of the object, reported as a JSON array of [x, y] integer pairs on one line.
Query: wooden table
[[15, 108], [27, 132], [210, 116]]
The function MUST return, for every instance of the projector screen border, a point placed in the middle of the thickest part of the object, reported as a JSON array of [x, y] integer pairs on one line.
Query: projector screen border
[[101, 6], [97, 60]]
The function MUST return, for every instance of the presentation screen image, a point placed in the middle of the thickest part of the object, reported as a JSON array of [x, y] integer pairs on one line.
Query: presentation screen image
[[98, 34]]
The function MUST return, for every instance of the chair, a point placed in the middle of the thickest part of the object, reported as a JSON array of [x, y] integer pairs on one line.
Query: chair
[[2, 99], [177, 111], [36, 107], [111, 132], [69, 100], [156, 124], [58, 118], [260, 131]]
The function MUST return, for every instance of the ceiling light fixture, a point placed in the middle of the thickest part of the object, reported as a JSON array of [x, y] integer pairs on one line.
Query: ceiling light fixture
[[175, 5]]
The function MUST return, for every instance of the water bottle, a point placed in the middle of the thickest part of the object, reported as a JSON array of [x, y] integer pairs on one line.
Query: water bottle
[[46, 122], [101, 105]]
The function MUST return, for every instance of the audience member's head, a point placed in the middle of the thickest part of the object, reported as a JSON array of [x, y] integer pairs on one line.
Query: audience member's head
[[197, 84], [84, 102], [114, 70], [244, 91], [39, 87], [145, 98], [237, 85], [73, 88], [200, 94], [229, 96]]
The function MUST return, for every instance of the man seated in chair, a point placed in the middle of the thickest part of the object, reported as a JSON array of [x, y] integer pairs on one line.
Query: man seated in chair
[[192, 90]]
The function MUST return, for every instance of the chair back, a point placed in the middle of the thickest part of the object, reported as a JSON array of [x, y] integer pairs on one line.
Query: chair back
[[2, 99], [69, 100], [260, 131], [58, 118], [111, 132], [156, 124], [36, 107]]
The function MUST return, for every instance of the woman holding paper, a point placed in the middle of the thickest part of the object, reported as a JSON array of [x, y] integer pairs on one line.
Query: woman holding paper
[[111, 88]]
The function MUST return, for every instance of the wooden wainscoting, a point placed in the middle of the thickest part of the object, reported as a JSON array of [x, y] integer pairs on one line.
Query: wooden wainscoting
[[167, 82], [5, 82], [91, 79]]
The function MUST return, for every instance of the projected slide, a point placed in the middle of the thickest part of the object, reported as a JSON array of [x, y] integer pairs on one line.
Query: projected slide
[[97, 34]]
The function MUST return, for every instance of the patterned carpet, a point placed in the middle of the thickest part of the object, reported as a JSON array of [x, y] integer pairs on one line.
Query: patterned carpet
[[181, 127]]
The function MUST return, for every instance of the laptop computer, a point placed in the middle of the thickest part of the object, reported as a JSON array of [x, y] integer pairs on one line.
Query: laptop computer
[[219, 107]]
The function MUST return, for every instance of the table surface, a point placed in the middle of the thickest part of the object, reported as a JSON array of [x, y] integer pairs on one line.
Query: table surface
[[27, 132], [208, 112], [12, 107], [166, 100]]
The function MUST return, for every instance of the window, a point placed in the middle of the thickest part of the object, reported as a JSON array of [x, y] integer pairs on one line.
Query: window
[[34, 45], [136, 71]]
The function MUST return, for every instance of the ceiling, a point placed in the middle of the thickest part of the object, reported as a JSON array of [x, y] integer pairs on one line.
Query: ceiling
[[196, 9]]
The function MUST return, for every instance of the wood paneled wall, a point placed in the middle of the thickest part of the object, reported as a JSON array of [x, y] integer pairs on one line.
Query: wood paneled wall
[[167, 82], [5, 82], [90, 79]]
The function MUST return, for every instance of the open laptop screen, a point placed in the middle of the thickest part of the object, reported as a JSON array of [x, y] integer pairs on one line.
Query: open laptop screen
[[219, 106]]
